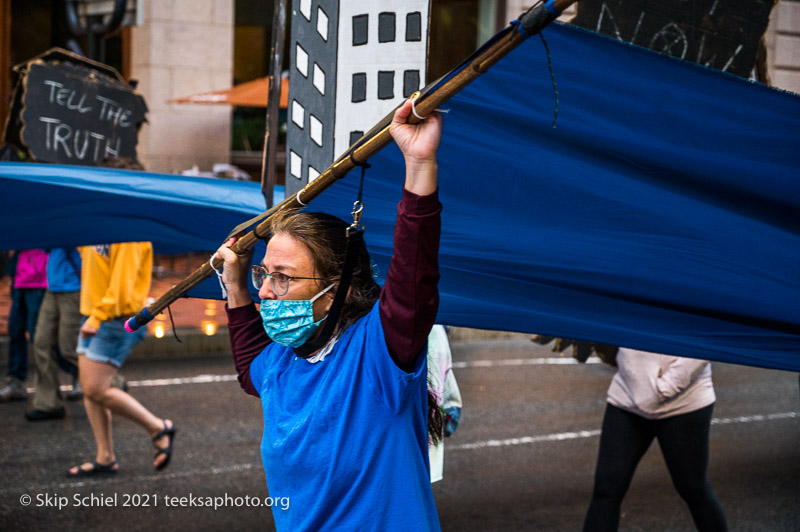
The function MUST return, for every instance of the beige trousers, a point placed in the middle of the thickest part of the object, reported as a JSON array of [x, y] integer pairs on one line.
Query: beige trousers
[[58, 324]]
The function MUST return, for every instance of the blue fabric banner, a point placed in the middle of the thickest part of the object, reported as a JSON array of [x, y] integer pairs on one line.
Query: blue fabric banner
[[661, 213], [46, 205]]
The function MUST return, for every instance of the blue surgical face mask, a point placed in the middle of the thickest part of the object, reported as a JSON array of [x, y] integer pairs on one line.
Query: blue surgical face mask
[[290, 322]]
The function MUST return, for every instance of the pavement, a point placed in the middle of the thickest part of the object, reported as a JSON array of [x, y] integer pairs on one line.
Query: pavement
[[522, 459]]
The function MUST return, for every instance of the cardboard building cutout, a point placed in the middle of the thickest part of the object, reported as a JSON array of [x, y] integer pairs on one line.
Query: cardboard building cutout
[[352, 62]]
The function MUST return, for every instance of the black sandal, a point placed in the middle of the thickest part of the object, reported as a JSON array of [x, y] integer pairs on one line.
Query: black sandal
[[164, 450], [97, 469]]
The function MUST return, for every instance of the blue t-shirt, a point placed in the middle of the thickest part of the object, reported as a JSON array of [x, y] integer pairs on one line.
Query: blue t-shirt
[[63, 276], [346, 438]]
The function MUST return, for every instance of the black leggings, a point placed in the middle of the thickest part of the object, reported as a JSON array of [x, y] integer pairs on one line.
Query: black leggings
[[684, 443]]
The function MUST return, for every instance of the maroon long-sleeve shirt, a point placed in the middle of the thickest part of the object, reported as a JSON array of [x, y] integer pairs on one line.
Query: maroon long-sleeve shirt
[[409, 298]]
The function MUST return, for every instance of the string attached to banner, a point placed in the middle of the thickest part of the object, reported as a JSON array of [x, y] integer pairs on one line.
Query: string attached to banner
[[414, 112], [552, 76], [174, 332], [219, 276]]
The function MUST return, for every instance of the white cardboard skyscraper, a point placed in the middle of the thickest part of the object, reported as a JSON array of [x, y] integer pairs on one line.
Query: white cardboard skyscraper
[[352, 61]]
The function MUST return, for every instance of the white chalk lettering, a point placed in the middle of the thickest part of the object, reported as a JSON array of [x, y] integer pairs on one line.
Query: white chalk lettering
[[48, 121], [638, 25], [605, 10], [80, 105], [671, 38], [105, 102], [79, 143], [60, 136], [53, 85], [112, 152], [730, 61], [98, 137], [114, 112], [61, 96], [65, 97], [80, 153], [699, 59], [124, 120]]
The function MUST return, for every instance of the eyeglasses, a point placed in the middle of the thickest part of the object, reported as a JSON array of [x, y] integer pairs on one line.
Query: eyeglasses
[[279, 282]]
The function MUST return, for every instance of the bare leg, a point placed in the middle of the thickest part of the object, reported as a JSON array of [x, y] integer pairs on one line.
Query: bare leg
[[96, 381], [99, 416], [100, 419]]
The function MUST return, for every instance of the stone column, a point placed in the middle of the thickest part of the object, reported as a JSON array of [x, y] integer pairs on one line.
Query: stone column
[[783, 45], [184, 47]]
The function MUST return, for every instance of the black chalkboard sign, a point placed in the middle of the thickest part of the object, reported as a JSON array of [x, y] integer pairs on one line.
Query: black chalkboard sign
[[71, 113], [719, 34]]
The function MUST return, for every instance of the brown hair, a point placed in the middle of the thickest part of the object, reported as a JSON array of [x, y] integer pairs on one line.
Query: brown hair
[[325, 237]]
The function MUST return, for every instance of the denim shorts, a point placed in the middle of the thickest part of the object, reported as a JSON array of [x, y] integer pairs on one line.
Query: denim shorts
[[112, 344]]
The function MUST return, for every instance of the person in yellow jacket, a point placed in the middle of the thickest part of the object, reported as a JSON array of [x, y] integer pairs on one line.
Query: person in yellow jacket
[[115, 280]]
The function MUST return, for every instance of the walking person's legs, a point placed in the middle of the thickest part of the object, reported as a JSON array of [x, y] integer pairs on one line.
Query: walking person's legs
[[97, 377], [33, 302], [69, 326], [17, 339], [14, 387], [47, 402], [684, 443], [100, 358], [624, 439]]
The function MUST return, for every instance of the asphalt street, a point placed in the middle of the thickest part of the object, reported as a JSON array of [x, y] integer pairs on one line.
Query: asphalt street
[[522, 459]]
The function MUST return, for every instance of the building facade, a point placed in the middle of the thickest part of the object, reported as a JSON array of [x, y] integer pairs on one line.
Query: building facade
[[183, 47], [783, 46]]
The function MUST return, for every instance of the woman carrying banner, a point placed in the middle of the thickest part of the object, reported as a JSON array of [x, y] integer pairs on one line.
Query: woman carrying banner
[[345, 428]]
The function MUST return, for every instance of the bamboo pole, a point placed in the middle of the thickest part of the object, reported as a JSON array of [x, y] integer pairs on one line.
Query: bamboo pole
[[532, 21]]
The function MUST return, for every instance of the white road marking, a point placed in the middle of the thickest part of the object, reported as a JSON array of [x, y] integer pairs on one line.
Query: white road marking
[[551, 361], [199, 379], [204, 379], [525, 440], [757, 417], [562, 436], [238, 468]]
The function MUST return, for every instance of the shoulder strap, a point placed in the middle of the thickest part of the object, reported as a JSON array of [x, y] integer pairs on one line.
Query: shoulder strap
[[354, 236]]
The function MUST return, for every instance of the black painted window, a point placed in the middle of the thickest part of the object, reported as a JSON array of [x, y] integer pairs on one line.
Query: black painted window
[[414, 26], [359, 92], [410, 82], [360, 27], [386, 27], [354, 136], [385, 85]]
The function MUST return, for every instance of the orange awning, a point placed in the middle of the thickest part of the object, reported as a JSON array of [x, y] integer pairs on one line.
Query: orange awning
[[249, 94]]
